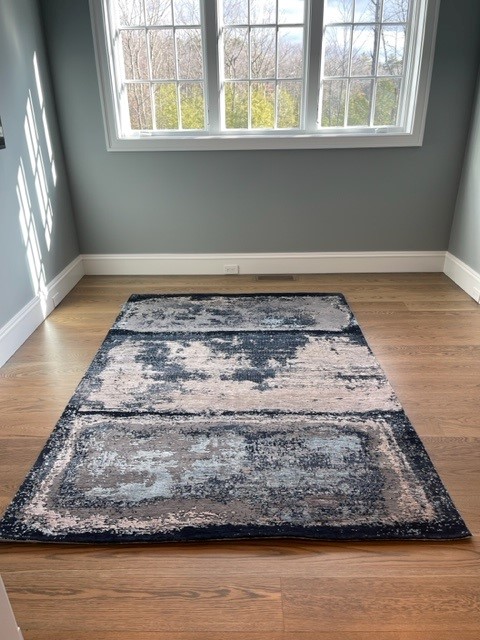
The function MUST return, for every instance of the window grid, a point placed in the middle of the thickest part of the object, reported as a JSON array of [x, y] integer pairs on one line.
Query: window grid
[[152, 82], [377, 25], [276, 80]]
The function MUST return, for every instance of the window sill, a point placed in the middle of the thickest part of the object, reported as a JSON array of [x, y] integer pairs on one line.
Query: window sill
[[255, 141]]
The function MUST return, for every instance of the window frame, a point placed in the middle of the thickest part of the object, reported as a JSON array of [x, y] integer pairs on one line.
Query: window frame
[[216, 139]]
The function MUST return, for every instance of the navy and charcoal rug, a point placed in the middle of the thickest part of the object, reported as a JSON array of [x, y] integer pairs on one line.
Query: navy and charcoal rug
[[233, 416]]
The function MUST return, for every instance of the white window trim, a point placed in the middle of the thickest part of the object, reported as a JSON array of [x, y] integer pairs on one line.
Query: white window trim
[[324, 139]]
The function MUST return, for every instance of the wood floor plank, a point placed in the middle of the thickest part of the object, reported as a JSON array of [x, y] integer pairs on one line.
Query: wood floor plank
[[167, 604], [451, 455], [17, 455], [368, 604], [267, 558], [29, 423]]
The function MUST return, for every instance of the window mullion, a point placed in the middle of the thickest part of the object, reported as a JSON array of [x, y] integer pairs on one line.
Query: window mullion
[[120, 102], [313, 63], [249, 105], [177, 72], [211, 25], [277, 33], [153, 107], [349, 70], [376, 55], [405, 105]]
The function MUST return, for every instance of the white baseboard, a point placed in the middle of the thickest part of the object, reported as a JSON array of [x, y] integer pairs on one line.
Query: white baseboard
[[252, 263], [463, 275], [24, 323], [60, 286], [19, 328], [14, 333]]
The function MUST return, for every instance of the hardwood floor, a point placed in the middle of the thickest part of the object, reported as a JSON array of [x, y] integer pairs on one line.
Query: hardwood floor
[[426, 333]]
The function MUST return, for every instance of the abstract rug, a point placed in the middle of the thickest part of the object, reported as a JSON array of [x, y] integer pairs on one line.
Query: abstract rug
[[233, 416]]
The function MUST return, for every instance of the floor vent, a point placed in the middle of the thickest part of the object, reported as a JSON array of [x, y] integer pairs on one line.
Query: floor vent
[[276, 277]]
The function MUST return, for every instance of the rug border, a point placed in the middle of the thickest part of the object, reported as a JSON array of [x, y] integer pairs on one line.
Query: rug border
[[448, 526]]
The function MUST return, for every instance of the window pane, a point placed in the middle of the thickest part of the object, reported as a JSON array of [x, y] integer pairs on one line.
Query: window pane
[[390, 56], [359, 103], [337, 50], [134, 47], [367, 10], [236, 105], [235, 11], [263, 11], [290, 52], [262, 46], [186, 12], [166, 112], [189, 51], [130, 13], [140, 106], [386, 102], [291, 11], [395, 10], [338, 11], [261, 53], [162, 54], [377, 50], [192, 106], [236, 52], [333, 103], [263, 105], [363, 46], [289, 101], [159, 12]]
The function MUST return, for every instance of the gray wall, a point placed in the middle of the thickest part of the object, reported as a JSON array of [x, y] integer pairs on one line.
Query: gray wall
[[321, 200], [20, 37], [465, 238]]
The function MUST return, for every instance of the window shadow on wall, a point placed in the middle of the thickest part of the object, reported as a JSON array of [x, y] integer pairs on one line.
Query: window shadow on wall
[[36, 181]]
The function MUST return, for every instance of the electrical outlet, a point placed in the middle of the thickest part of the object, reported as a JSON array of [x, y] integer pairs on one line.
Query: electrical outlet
[[476, 295], [231, 269]]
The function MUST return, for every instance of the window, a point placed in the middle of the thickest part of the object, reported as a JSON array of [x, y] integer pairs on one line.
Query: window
[[247, 74]]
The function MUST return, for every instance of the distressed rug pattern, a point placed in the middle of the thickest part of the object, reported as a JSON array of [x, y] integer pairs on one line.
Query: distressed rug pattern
[[233, 416]]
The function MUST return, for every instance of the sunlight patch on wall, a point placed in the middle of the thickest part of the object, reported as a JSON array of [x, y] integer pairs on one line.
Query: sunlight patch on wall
[[38, 170], [36, 180], [30, 238], [46, 129]]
